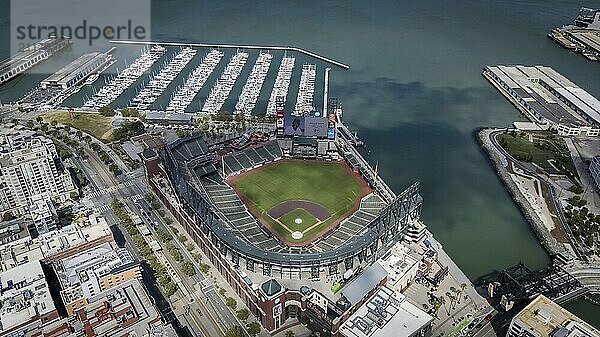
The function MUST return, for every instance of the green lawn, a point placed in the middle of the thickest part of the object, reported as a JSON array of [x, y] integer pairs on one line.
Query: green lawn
[[543, 148], [325, 183], [299, 213], [95, 124]]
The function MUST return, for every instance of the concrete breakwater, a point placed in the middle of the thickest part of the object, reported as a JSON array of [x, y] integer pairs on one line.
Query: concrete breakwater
[[500, 164]]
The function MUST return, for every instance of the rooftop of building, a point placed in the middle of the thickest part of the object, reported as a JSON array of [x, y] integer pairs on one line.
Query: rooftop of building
[[20, 142], [125, 310], [398, 262], [24, 295], [386, 314], [95, 262], [543, 317], [539, 86], [86, 228]]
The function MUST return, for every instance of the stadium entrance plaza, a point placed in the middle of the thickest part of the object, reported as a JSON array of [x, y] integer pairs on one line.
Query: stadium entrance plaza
[[472, 307]]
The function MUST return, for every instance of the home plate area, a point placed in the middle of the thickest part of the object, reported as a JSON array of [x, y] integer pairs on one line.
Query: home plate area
[[299, 216]]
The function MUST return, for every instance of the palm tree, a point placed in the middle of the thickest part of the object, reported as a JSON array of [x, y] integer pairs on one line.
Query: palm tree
[[451, 298], [442, 299], [462, 289]]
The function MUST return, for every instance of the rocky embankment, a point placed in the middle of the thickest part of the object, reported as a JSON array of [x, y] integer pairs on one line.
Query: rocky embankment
[[500, 163]]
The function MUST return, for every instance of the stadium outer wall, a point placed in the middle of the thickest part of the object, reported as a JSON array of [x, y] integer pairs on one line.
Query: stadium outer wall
[[267, 309]]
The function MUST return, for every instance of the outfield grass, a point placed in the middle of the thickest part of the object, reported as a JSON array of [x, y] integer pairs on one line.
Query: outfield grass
[[299, 213], [95, 124], [324, 183]]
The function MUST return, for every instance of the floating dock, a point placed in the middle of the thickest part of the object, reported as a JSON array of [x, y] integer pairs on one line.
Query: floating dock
[[31, 56], [237, 46]]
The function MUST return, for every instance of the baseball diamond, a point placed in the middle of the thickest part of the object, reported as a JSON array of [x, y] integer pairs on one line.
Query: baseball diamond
[[317, 193]]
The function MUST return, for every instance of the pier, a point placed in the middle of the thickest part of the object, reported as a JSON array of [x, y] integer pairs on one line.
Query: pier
[[282, 84], [185, 94], [113, 89], [157, 85], [30, 57], [237, 46]]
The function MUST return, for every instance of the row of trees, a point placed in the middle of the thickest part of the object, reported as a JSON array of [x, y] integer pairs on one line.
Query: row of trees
[[166, 238], [161, 274]]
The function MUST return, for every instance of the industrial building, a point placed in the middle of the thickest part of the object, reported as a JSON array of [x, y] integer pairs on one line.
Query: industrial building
[[30, 166], [544, 318], [76, 71], [29, 57], [548, 99], [583, 36]]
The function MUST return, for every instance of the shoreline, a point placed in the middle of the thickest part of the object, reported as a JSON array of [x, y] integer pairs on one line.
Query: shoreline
[[500, 163]]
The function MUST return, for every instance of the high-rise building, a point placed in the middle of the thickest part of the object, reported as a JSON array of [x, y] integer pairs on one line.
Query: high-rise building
[[29, 166], [544, 318]]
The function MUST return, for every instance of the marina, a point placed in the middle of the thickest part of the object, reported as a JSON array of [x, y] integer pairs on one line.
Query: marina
[[236, 46], [157, 85], [224, 84], [253, 86], [68, 80], [115, 87], [184, 95], [304, 102], [31, 56], [282, 83]]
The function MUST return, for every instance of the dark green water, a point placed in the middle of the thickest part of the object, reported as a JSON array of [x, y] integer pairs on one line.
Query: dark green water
[[415, 94]]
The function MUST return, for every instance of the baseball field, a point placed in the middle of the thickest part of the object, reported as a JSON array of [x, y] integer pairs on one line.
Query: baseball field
[[299, 200]]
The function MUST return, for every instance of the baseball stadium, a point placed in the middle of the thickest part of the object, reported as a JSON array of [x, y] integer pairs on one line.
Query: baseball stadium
[[289, 220]]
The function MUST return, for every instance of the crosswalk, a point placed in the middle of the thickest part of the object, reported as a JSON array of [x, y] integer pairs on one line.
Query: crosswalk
[[137, 197], [104, 208], [111, 189]]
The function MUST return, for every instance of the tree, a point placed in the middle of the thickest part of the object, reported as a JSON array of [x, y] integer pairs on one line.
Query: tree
[[7, 216], [107, 111], [188, 269], [290, 333], [39, 119], [242, 314], [231, 302], [253, 328], [234, 331], [130, 112], [74, 195]]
